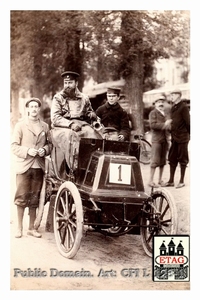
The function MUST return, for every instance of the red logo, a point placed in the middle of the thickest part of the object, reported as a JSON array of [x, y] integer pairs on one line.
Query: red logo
[[169, 260]]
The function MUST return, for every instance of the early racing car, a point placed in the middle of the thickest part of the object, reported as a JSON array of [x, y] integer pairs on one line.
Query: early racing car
[[106, 193]]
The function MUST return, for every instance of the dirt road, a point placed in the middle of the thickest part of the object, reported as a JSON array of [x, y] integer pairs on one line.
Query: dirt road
[[128, 265]]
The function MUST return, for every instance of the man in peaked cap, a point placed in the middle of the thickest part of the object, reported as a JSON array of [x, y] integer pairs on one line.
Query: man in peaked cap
[[180, 136], [70, 75], [113, 117], [29, 144], [71, 117], [159, 139]]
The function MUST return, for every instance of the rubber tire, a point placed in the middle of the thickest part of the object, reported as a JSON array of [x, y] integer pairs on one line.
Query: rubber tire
[[170, 203], [145, 146], [70, 222]]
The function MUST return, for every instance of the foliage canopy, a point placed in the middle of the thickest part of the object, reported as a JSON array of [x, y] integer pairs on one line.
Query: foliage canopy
[[104, 45]]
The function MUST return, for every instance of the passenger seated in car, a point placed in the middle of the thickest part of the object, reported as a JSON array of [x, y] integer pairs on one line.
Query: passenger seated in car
[[113, 117]]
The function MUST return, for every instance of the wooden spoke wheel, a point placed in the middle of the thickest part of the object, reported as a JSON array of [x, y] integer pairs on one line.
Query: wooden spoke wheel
[[68, 219], [159, 218]]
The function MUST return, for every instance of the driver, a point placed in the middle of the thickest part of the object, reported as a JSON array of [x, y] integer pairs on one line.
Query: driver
[[71, 113], [114, 117]]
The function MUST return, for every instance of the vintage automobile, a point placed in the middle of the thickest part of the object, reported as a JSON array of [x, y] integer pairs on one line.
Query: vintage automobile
[[105, 193]]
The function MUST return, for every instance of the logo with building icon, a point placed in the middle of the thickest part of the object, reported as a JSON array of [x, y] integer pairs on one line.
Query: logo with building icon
[[171, 258]]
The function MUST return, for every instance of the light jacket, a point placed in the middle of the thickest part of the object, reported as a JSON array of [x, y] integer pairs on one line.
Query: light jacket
[[62, 115], [24, 138]]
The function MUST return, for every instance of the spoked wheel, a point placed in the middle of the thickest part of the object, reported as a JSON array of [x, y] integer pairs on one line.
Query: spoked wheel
[[159, 218], [68, 219], [145, 152]]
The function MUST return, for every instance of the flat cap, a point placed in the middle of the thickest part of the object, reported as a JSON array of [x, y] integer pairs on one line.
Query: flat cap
[[113, 90], [176, 91], [33, 99], [70, 75], [162, 97]]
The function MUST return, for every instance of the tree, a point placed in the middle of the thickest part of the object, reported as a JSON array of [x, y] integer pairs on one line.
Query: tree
[[105, 45], [19, 59], [147, 36], [125, 44], [43, 45]]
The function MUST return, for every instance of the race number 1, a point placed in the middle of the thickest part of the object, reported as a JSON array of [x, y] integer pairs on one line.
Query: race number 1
[[120, 173]]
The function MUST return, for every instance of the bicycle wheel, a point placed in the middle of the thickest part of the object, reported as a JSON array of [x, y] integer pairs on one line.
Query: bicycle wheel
[[145, 151]]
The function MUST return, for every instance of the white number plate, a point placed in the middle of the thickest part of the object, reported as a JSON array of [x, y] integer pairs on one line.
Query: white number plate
[[120, 173]]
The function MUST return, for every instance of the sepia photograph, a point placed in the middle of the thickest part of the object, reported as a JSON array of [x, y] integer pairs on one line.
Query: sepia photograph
[[100, 151]]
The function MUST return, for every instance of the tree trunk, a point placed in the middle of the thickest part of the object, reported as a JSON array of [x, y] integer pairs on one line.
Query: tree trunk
[[73, 56], [14, 108], [133, 90], [131, 67], [36, 88]]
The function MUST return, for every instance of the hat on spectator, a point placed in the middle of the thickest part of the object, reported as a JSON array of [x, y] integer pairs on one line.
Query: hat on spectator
[[33, 99], [113, 90], [70, 75], [176, 91], [162, 97]]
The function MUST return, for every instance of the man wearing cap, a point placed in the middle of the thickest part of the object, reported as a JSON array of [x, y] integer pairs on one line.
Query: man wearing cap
[[180, 136], [30, 145], [114, 117], [159, 139], [72, 111]]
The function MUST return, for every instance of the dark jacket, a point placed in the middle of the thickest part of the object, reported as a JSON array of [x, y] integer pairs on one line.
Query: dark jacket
[[156, 122], [180, 129], [114, 116]]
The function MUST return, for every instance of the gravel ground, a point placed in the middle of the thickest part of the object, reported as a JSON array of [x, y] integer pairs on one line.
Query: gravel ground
[[95, 254]]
